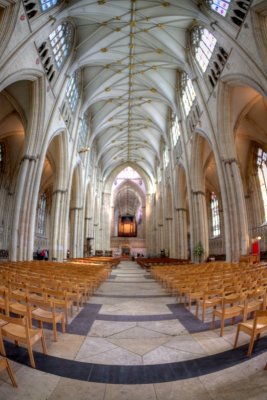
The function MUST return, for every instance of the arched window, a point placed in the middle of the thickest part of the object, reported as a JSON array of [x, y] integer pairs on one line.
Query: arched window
[[61, 41], [83, 131], [166, 158], [203, 43], [215, 216], [46, 4], [175, 129], [72, 92], [188, 92], [262, 175], [41, 214], [219, 6]]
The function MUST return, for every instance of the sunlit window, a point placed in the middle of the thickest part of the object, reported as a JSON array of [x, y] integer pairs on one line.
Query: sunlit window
[[188, 92], [72, 93], [262, 174], [166, 158], [41, 214], [61, 40], [46, 4], [203, 43], [83, 130], [175, 129], [128, 174], [215, 216], [219, 6]]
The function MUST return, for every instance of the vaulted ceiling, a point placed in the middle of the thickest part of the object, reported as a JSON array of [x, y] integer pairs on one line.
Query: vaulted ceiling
[[129, 52]]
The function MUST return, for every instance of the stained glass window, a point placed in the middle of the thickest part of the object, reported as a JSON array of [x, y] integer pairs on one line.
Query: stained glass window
[[188, 92], [41, 214], [166, 158], [46, 4], [72, 93], [262, 174], [219, 6], [83, 130], [61, 40], [215, 216], [203, 43], [175, 129]]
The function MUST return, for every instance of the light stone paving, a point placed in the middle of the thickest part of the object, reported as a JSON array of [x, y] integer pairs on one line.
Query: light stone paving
[[139, 343]]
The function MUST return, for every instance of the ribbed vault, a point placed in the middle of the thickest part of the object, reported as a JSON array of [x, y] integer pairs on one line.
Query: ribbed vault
[[129, 52]]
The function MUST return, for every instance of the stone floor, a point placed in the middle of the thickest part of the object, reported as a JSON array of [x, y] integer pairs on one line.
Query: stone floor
[[133, 341]]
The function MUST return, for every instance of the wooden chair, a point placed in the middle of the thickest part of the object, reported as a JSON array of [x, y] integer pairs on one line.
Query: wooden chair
[[211, 299], [231, 308], [4, 364], [254, 328], [17, 329], [45, 312], [18, 304], [61, 300]]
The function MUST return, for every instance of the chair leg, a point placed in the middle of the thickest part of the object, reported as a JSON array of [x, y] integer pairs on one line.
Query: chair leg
[[55, 331], [237, 335], [31, 356], [251, 345], [43, 343], [222, 327], [10, 373]]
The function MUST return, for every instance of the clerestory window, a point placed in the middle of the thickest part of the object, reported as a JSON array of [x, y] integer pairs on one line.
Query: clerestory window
[[46, 4], [203, 44], [61, 41], [72, 92], [221, 7], [188, 92], [175, 129]]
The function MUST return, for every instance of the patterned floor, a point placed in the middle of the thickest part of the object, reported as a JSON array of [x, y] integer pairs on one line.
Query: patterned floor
[[133, 341]]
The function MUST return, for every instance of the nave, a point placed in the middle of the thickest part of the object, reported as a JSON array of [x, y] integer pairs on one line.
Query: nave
[[132, 340]]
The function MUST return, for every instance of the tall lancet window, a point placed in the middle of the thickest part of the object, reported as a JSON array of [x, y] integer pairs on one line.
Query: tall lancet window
[[215, 216], [41, 214], [262, 174], [221, 7], [188, 92], [61, 41], [72, 92], [175, 130], [203, 43]]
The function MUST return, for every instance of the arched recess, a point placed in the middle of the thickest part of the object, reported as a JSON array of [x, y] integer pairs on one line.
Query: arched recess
[[235, 95], [182, 216], [75, 241], [128, 199], [202, 173], [12, 142], [250, 133], [52, 197]]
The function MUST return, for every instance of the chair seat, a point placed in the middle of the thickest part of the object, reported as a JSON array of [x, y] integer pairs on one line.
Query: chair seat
[[45, 314], [17, 331]]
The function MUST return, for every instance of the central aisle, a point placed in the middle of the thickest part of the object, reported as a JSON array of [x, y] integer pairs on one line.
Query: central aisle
[[132, 341]]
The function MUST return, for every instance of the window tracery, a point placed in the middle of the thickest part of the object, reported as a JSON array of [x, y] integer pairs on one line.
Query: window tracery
[[203, 43], [188, 92], [175, 129], [215, 215], [261, 162], [61, 41], [41, 214]]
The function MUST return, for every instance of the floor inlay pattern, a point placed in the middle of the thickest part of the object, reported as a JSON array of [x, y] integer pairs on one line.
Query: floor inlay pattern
[[135, 333]]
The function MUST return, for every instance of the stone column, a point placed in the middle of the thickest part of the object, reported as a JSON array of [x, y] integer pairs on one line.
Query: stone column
[[58, 218], [199, 226], [237, 239], [106, 221], [181, 241]]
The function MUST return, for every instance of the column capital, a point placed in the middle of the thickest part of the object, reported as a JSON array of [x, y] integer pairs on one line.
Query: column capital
[[181, 209], [196, 192]]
